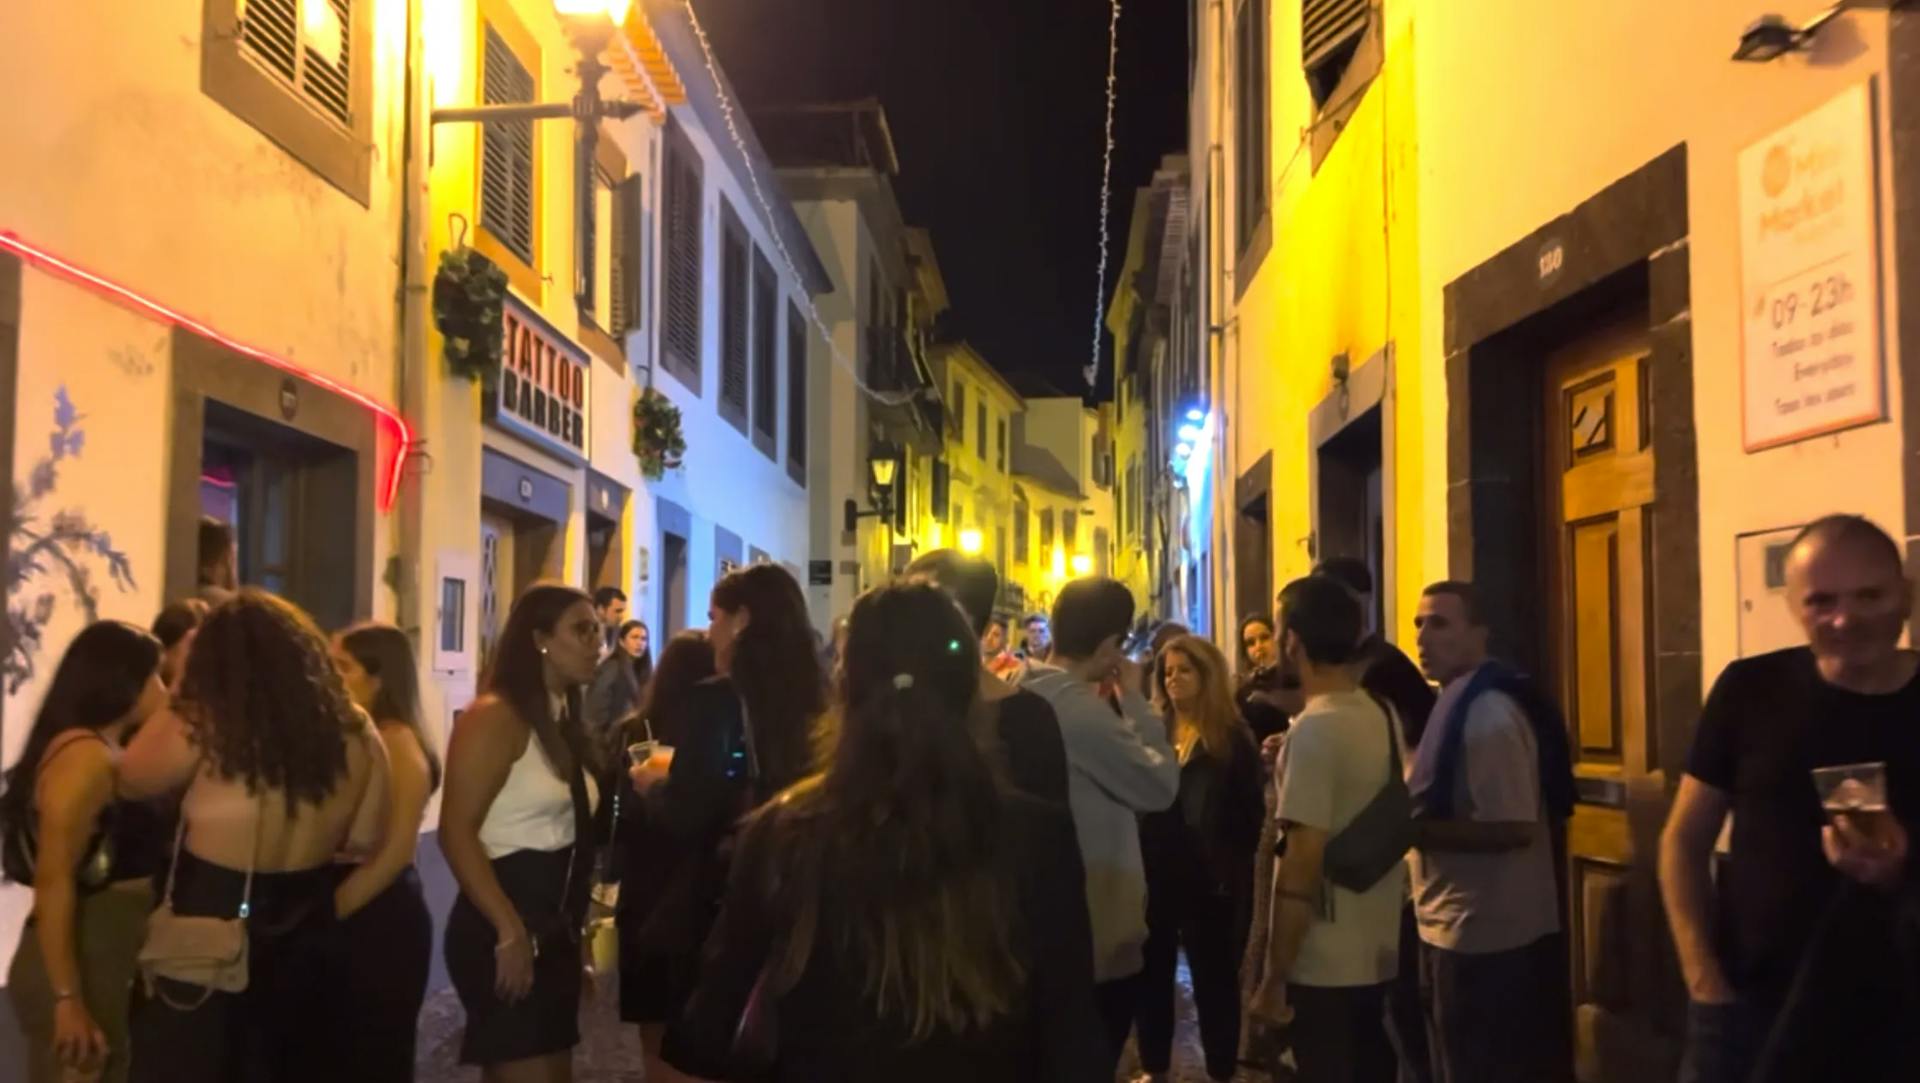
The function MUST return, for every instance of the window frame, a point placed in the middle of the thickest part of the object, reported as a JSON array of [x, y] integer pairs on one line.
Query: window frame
[[763, 355], [682, 179], [1253, 151], [526, 276], [736, 327], [797, 393], [342, 155]]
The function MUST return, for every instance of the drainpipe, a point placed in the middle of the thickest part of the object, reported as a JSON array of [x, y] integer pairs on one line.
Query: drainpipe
[[1216, 303], [412, 364]]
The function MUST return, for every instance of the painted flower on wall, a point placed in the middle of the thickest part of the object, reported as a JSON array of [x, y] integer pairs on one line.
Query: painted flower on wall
[[47, 547]]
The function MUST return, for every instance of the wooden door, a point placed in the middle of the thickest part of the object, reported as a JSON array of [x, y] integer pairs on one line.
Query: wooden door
[[496, 582], [1598, 501]]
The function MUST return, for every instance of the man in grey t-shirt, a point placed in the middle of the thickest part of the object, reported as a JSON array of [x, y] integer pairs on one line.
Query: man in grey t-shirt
[[1484, 889]]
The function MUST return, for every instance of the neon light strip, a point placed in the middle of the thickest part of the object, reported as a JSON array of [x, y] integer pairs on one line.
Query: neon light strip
[[47, 261]]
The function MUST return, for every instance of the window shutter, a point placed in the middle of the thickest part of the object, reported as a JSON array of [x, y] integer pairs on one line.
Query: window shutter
[[1325, 25], [270, 34], [733, 322], [960, 410], [796, 394], [506, 153], [766, 378], [680, 218], [623, 285], [942, 483]]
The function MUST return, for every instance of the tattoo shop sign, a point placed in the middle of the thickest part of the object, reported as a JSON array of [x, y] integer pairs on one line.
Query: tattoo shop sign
[[1811, 359], [543, 387]]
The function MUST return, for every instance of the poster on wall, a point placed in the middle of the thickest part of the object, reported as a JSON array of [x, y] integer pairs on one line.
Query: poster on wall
[[1811, 358]]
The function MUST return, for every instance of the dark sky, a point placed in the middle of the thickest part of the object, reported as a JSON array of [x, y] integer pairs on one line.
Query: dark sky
[[996, 109]]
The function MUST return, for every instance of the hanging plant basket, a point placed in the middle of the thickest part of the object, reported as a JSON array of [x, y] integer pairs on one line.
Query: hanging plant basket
[[657, 441], [468, 292]]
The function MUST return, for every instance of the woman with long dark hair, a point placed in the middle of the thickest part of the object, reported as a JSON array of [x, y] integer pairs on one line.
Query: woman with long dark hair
[[614, 693], [748, 735], [175, 628], [1264, 696], [89, 858], [389, 930], [280, 773], [516, 826], [1199, 858], [904, 915], [657, 961]]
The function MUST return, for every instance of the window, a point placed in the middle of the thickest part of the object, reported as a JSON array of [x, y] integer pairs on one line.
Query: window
[[796, 395], [1330, 33], [681, 245], [1046, 534], [960, 410], [980, 429], [733, 320], [1250, 90], [1022, 532], [766, 377], [507, 199], [1102, 552], [1070, 529], [297, 71], [609, 286], [1000, 444]]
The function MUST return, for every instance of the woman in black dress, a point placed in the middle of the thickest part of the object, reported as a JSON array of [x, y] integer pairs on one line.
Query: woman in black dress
[[516, 824], [389, 931], [748, 735], [905, 915]]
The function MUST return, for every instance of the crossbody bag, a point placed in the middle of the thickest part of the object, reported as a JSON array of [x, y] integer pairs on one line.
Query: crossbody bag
[[1376, 840], [210, 952]]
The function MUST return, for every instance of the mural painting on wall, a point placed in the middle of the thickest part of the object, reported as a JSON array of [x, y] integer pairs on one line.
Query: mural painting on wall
[[45, 547]]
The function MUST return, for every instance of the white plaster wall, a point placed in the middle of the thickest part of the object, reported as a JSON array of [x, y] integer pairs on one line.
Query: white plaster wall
[[1525, 110]]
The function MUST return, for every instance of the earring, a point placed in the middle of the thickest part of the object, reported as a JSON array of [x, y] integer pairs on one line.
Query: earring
[[543, 650]]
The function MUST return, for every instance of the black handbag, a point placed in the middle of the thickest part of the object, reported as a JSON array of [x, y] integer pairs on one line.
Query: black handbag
[[1377, 839]]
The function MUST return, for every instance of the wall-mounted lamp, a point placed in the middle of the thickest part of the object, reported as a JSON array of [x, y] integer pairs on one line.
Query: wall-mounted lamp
[[1772, 36], [882, 465], [971, 542], [1082, 564]]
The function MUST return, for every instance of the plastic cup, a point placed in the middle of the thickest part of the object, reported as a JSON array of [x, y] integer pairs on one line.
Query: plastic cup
[[1855, 789]]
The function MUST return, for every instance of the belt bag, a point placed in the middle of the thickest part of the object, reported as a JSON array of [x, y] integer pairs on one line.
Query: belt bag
[[1376, 840]]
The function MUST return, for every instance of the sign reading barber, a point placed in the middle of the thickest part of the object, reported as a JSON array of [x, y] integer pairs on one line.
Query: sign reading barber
[[1811, 360], [544, 378]]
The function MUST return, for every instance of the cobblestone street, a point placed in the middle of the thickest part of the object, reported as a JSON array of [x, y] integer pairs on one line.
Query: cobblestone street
[[610, 1050]]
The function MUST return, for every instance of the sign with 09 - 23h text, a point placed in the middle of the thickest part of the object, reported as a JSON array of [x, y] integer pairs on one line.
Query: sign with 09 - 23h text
[[1811, 358]]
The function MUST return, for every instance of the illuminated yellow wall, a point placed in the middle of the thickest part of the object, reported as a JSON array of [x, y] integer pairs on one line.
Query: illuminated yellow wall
[[980, 487]]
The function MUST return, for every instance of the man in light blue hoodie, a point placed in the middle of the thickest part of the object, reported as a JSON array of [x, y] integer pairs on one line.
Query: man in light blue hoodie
[[1119, 765]]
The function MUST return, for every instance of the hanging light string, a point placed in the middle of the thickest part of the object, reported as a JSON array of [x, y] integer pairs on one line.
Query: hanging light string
[[1092, 371], [885, 398]]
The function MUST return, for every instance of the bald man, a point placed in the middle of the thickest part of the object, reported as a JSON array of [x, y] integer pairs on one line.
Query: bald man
[[1795, 950]]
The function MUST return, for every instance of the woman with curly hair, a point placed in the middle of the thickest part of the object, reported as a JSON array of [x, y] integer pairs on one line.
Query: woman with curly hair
[[748, 735], [280, 772], [89, 858], [516, 824], [904, 915]]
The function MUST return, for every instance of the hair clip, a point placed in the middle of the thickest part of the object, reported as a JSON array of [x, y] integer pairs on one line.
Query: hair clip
[[903, 681]]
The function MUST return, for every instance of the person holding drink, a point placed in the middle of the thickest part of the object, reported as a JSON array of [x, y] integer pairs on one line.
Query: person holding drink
[[1796, 962]]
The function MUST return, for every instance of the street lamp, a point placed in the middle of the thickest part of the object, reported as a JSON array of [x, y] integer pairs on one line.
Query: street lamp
[[1082, 564], [971, 542], [591, 24], [882, 465]]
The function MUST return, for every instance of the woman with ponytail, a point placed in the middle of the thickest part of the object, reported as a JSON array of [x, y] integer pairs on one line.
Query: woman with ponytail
[[903, 914]]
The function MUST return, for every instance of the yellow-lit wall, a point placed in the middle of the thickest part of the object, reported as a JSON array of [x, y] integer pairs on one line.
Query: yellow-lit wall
[[980, 487]]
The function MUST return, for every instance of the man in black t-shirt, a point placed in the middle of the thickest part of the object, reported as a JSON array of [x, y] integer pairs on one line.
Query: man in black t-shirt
[[1792, 958]]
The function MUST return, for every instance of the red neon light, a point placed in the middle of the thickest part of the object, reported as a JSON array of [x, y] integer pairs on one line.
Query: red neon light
[[47, 261]]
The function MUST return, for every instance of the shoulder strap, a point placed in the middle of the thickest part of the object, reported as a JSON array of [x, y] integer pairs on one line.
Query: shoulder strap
[[1393, 737]]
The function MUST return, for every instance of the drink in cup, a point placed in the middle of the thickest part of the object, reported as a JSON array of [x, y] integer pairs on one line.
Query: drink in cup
[[1857, 791], [657, 753]]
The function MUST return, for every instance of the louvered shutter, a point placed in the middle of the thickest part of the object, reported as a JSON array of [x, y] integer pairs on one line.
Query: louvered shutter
[[1325, 25], [681, 220], [766, 378], [733, 322], [270, 34], [624, 275], [796, 393], [942, 485], [506, 152]]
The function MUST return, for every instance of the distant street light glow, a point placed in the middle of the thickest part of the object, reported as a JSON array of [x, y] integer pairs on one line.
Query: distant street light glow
[[616, 10], [1183, 450], [1189, 433], [1082, 563], [970, 542], [1196, 415]]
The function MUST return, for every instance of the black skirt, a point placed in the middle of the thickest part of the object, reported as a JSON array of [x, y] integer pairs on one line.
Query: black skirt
[[547, 1019], [285, 1025], [389, 945]]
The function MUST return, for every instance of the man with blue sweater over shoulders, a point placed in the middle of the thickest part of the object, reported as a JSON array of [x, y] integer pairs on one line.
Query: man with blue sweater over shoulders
[[1492, 785], [1119, 765]]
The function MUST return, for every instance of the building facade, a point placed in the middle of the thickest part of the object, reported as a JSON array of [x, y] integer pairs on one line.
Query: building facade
[[1482, 301]]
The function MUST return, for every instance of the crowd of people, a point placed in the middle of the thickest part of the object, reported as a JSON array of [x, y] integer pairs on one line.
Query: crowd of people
[[923, 854]]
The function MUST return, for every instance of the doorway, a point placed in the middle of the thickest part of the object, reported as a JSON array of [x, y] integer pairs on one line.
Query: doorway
[[1352, 515], [673, 579], [1253, 540]]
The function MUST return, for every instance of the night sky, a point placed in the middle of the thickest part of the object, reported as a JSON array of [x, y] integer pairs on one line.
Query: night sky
[[996, 109]]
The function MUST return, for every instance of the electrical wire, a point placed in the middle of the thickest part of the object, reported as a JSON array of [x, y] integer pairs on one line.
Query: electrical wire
[[1092, 371], [885, 398]]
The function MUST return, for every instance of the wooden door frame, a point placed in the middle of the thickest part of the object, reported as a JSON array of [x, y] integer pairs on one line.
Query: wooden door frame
[[1253, 486], [1366, 387], [1902, 101]]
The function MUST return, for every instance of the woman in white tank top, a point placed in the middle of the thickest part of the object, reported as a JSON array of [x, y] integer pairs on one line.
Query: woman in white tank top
[[520, 793]]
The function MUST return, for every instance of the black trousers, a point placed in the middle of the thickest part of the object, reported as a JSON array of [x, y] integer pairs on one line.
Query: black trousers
[[1406, 1015], [1115, 1001], [1209, 926], [1495, 1017], [1340, 1034]]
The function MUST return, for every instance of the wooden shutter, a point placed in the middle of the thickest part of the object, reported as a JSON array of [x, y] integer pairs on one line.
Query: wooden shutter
[[796, 394], [1325, 25], [623, 285], [270, 34], [766, 378], [733, 321], [960, 410], [941, 487], [506, 152], [682, 250]]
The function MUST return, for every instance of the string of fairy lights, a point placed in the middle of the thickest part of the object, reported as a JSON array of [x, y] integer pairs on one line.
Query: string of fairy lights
[[1092, 371]]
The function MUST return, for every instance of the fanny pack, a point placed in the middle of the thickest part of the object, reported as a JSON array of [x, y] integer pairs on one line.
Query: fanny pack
[[1379, 837]]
